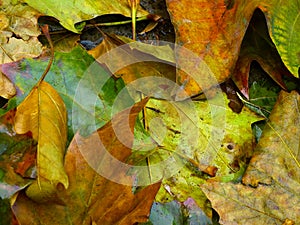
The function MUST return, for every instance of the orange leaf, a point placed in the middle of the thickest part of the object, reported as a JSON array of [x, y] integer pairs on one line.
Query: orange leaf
[[91, 198]]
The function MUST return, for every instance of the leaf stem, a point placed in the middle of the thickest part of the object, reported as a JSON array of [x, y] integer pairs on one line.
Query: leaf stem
[[47, 35], [116, 23]]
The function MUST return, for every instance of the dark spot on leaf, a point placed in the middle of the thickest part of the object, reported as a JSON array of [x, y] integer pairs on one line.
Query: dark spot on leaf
[[230, 146]]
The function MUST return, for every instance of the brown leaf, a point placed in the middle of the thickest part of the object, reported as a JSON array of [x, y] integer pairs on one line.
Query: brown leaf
[[91, 198], [132, 60], [237, 204], [277, 156], [7, 89], [274, 170], [18, 32]]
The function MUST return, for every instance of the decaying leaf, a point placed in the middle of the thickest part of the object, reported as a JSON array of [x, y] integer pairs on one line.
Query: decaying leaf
[[7, 89], [70, 12], [192, 138], [43, 113], [18, 32], [91, 198], [273, 174], [279, 144], [214, 30]]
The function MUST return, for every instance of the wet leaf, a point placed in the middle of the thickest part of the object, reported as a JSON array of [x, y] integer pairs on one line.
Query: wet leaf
[[70, 13], [91, 198], [18, 20], [214, 30], [88, 90], [273, 171], [43, 113]]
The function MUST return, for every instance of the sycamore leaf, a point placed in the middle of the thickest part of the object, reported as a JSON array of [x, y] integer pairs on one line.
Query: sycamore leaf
[[214, 30], [43, 113], [273, 173], [91, 198], [18, 20], [70, 12], [190, 138], [279, 145]]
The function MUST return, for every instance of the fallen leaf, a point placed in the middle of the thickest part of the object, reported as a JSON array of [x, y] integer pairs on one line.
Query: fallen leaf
[[91, 198], [18, 20], [14, 148], [278, 145], [177, 213], [70, 13], [242, 205], [214, 30], [258, 46], [274, 171], [43, 113], [133, 61], [88, 90], [5, 212], [191, 138], [7, 89]]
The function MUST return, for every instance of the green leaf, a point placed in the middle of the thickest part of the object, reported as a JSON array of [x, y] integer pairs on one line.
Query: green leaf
[[285, 29], [70, 12], [189, 139], [87, 89]]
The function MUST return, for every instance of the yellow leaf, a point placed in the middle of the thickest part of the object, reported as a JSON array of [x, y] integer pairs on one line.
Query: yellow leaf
[[43, 113]]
